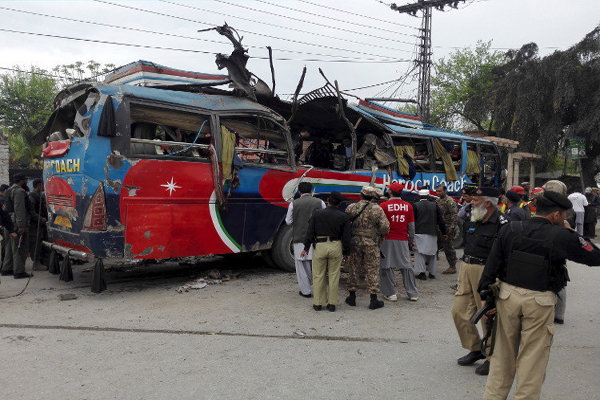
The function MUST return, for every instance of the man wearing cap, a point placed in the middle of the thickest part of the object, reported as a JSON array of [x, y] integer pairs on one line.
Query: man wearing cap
[[533, 195], [529, 260], [369, 227], [449, 211], [514, 211], [482, 230], [298, 215], [329, 230], [395, 247], [428, 218], [17, 205]]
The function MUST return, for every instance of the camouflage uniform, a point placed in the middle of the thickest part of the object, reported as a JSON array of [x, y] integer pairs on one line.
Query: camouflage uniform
[[16, 248], [368, 231], [449, 212]]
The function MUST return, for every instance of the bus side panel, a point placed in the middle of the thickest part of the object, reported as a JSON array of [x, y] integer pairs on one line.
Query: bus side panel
[[168, 209]]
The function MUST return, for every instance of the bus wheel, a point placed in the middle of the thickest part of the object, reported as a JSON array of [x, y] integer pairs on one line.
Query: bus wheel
[[268, 258], [282, 250]]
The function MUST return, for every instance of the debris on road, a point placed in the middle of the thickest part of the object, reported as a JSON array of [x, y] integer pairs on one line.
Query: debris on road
[[67, 296]]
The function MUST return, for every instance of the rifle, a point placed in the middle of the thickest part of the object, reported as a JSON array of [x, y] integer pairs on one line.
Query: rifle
[[489, 295]]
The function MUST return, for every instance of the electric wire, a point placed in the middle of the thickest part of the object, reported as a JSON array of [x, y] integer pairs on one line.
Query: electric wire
[[160, 33], [193, 50], [358, 15], [288, 28], [335, 19], [314, 23], [212, 25]]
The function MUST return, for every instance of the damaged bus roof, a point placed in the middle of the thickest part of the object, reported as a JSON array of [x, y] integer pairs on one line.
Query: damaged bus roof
[[206, 101], [434, 132]]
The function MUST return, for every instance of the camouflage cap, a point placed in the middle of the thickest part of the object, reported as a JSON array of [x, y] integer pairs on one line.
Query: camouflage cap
[[370, 191]]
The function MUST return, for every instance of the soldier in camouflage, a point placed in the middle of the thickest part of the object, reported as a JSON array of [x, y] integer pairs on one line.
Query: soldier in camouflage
[[369, 227], [449, 211]]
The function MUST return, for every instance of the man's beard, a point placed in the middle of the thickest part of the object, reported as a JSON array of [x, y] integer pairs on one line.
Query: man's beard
[[478, 213]]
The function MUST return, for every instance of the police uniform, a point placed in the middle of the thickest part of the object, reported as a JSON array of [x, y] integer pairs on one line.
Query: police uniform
[[529, 260], [449, 211], [369, 227], [479, 239]]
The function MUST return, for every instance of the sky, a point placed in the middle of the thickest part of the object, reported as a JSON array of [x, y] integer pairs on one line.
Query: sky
[[356, 42]]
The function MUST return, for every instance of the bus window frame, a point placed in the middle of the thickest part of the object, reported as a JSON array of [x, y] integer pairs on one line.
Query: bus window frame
[[430, 150], [132, 101], [454, 142], [290, 166], [496, 155]]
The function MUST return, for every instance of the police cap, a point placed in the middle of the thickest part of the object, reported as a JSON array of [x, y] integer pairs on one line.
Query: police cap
[[487, 192], [470, 190], [554, 199]]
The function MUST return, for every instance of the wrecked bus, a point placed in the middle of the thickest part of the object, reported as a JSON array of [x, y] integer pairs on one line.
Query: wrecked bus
[[145, 173]]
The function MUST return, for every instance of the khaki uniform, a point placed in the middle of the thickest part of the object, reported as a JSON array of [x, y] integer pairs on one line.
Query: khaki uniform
[[466, 302], [368, 230], [524, 334], [449, 211], [327, 258]]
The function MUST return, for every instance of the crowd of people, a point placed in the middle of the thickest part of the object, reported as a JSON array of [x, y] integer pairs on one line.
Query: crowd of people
[[23, 219], [516, 245]]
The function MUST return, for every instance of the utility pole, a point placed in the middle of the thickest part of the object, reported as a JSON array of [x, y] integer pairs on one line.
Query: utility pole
[[424, 58]]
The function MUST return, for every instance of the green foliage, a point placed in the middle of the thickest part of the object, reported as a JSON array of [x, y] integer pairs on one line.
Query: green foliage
[[461, 86], [26, 102], [408, 108], [541, 102]]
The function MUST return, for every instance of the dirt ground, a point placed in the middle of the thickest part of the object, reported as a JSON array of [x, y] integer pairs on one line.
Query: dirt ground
[[254, 337]]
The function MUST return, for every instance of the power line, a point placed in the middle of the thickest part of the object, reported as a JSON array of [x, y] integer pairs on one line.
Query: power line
[[287, 27], [356, 14], [191, 50], [311, 22], [335, 19], [211, 25], [159, 33], [38, 73]]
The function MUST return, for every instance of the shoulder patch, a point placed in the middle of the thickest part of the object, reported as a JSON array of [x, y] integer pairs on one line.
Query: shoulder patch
[[585, 244], [502, 219]]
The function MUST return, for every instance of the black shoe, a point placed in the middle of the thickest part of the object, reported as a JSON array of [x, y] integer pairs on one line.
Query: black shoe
[[6, 273], [483, 369], [431, 276], [559, 321], [22, 275], [375, 304], [422, 276], [317, 308], [351, 300], [305, 295], [330, 307], [470, 358]]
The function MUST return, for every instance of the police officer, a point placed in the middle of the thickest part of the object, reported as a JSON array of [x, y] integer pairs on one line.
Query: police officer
[[514, 211], [37, 225], [529, 259], [329, 231], [482, 229], [369, 227], [17, 204], [449, 211]]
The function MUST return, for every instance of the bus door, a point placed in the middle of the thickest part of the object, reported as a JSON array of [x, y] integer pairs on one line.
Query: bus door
[[262, 166], [164, 201]]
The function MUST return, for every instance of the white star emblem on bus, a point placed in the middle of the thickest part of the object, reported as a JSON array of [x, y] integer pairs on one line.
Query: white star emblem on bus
[[171, 186]]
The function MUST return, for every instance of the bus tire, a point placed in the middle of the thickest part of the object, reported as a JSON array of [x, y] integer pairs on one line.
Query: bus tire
[[282, 251], [268, 259]]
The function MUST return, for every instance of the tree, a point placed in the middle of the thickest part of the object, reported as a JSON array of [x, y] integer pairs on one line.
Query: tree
[[461, 86], [541, 102], [25, 105]]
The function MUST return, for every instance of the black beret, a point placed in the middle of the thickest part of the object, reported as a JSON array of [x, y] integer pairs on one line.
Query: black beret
[[337, 196], [513, 196], [470, 190], [557, 199], [487, 192]]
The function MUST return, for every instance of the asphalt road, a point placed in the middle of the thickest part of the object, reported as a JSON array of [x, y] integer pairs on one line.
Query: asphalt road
[[254, 337]]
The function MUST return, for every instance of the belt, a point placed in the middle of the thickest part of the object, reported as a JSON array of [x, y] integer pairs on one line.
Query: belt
[[321, 239], [473, 260]]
